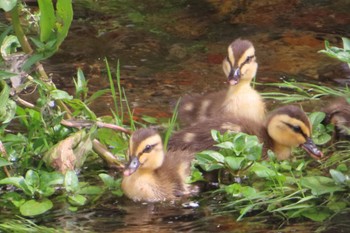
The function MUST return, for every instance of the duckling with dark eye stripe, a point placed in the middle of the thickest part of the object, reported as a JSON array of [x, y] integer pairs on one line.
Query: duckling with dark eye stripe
[[151, 175], [285, 128], [240, 100]]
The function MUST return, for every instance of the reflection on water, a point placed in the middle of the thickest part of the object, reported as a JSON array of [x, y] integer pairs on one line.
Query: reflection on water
[[169, 48]]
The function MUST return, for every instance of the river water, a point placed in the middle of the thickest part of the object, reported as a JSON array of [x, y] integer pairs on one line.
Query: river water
[[167, 49]]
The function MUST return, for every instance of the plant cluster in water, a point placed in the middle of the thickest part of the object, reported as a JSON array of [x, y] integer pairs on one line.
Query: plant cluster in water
[[44, 143]]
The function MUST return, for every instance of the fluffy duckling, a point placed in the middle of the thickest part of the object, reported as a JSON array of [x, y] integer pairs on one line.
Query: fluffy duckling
[[338, 114], [284, 128], [240, 100], [152, 175]]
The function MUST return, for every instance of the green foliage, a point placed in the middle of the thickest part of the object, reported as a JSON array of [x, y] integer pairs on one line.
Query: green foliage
[[269, 186], [54, 27], [39, 133], [341, 54], [8, 5]]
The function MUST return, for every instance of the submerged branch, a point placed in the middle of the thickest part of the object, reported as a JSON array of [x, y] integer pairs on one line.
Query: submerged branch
[[105, 154]]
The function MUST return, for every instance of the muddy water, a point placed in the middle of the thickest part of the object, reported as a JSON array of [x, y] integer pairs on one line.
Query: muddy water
[[170, 48]]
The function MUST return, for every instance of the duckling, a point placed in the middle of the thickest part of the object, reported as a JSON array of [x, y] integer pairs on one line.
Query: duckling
[[240, 100], [338, 114], [151, 175], [284, 128]]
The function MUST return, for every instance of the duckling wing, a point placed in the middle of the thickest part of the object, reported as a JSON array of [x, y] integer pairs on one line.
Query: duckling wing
[[194, 108], [198, 136], [174, 172]]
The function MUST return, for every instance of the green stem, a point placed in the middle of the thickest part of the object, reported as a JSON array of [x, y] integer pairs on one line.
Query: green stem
[[17, 27]]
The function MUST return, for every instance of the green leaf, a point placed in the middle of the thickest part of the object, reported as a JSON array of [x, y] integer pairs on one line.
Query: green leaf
[[337, 176], [7, 106], [7, 5], [47, 20], [33, 207], [19, 182], [77, 200], [64, 14], [4, 162], [15, 198], [234, 162], [346, 43], [6, 75], [320, 185], [263, 171], [316, 214], [210, 160], [71, 182], [107, 180], [32, 178], [80, 85], [316, 118], [60, 95], [9, 45], [91, 190]]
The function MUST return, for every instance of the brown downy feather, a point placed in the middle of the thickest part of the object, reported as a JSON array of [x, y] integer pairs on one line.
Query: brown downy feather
[[151, 175], [338, 114], [286, 127], [240, 68]]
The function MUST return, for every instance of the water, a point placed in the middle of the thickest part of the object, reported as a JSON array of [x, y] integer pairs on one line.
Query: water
[[170, 48]]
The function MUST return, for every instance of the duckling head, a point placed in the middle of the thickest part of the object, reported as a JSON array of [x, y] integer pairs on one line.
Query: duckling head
[[289, 127], [145, 151], [240, 63]]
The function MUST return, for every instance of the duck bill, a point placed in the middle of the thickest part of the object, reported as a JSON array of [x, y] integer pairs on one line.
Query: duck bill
[[312, 149], [132, 166], [234, 76]]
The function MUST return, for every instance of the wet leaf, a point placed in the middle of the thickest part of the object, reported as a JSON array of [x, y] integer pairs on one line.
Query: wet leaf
[[4, 162], [337, 176], [20, 183], [7, 5], [263, 171], [9, 45], [71, 182], [316, 118], [320, 185], [317, 214], [7, 106], [32, 178], [15, 198], [47, 20], [107, 180], [60, 95], [234, 162], [33, 207], [77, 200], [210, 160], [226, 145], [64, 14]]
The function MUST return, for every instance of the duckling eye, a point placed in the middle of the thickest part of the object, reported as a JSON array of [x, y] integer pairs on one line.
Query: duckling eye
[[249, 59], [147, 149], [297, 129]]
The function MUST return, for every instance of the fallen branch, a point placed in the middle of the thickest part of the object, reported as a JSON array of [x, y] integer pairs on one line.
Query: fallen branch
[[105, 154], [87, 124]]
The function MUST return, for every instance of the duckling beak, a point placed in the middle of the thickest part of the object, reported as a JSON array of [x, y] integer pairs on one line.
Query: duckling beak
[[132, 166], [312, 149], [234, 76]]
